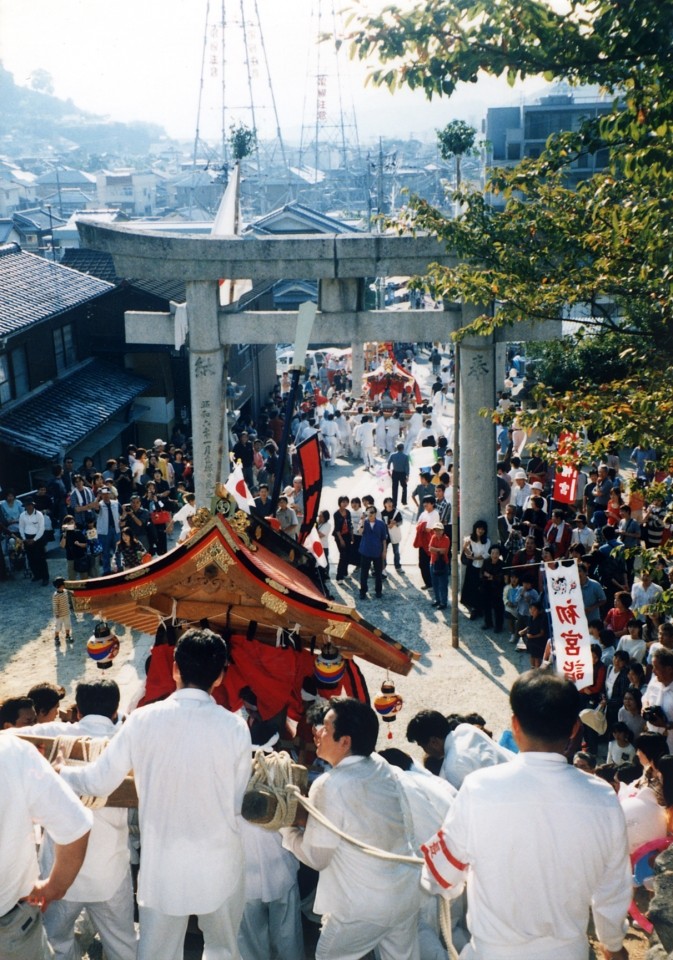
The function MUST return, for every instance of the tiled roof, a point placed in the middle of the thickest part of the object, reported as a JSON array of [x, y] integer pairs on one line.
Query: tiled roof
[[98, 264], [33, 289], [66, 176], [37, 219], [95, 263], [70, 409]]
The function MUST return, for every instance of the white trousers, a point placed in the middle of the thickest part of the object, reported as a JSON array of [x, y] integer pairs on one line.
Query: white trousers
[[22, 935], [272, 929], [113, 919], [341, 940], [162, 937]]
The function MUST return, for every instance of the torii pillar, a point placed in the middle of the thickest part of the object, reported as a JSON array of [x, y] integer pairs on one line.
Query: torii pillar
[[208, 359]]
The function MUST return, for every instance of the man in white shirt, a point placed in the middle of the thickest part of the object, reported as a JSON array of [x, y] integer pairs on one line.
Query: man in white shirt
[[191, 760], [524, 903], [363, 435], [521, 490], [643, 594], [104, 884], [659, 693], [32, 793], [365, 902], [31, 532]]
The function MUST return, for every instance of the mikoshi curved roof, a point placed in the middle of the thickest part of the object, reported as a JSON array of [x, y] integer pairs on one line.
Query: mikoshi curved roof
[[232, 572]]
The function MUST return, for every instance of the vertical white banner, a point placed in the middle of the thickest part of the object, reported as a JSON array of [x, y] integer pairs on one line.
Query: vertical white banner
[[572, 642]]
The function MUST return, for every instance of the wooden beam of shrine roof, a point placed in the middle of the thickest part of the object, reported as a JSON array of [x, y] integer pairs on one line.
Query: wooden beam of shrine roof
[[165, 255], [124, 796]]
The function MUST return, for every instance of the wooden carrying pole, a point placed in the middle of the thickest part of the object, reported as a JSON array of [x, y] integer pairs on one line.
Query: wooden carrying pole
[[124, 796]]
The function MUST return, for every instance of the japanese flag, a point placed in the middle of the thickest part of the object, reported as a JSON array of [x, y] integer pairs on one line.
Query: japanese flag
[[238, 488], [313, 545]]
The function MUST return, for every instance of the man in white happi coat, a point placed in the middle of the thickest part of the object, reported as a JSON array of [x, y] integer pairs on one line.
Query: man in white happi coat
[[330, 435], [104, 884], [363, 435], [365, 902], [537, 841], [191, 760], [413, 429], [31, 792]]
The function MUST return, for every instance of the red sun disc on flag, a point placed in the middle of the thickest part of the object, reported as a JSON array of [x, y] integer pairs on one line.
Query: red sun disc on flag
[[240, 489]]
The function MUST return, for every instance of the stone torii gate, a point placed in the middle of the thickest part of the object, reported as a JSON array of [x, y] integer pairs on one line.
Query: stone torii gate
[[340, 263]]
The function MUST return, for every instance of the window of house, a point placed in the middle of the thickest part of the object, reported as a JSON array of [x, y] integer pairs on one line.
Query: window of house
[[513, 151], [5, 383], [20, 372], [64, 348]]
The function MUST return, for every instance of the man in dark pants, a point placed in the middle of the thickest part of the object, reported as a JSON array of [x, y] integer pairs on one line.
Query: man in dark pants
[[398, 468], [372, 550], [343, 534]]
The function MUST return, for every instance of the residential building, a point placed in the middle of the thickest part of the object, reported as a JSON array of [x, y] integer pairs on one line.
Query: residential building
[[55, 396]]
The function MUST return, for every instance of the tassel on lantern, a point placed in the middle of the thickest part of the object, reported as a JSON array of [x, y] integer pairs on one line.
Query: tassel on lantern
[[388, 704]]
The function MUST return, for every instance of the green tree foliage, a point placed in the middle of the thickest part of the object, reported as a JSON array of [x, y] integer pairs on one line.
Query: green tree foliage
[[242, 140], [455, 140], [605, 248]]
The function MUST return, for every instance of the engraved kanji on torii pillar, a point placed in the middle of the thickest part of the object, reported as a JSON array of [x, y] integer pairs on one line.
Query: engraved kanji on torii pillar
[[208, 359]]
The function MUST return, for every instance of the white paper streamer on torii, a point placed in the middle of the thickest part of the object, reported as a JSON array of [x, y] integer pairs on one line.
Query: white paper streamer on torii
[[572, 642]]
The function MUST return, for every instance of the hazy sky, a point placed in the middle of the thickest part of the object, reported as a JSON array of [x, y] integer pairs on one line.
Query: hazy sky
[[141, 60]]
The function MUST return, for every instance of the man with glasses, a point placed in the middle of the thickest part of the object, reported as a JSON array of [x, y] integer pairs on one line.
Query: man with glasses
[[372, 551]]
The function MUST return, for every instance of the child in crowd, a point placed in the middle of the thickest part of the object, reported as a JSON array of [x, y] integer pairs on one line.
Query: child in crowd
[[535, 634], [621, 749], [606, 639], [324, 532], [510, 596], [93, 546], [60, 605], [527, 596]]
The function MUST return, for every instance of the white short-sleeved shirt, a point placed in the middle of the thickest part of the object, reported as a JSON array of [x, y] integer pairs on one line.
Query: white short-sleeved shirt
[[539, 843], [191, 760], [31, 792], [107, 856]]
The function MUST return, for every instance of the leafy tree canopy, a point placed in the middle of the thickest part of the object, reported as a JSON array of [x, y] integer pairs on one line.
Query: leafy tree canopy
[[604, 249]]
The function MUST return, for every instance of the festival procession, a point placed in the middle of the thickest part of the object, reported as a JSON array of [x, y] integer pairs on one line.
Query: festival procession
[[336, 481], [233, 711]]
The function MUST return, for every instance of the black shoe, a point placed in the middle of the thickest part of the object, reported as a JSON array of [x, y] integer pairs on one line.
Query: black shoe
[[57, 641], [384, 576], [442, 606], [363, 596], [68, 638], [340, 579], [378, 596], [426, 586], [399, 569], [434, 604]]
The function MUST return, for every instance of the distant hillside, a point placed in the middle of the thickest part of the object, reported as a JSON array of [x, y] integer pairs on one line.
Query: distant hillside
[[31, 120]]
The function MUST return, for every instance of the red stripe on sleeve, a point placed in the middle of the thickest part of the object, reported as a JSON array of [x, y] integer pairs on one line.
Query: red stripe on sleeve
[[447, 853], [431, 867]]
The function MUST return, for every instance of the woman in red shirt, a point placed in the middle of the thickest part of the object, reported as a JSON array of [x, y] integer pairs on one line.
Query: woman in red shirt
[[439, 566], [618, 616]]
